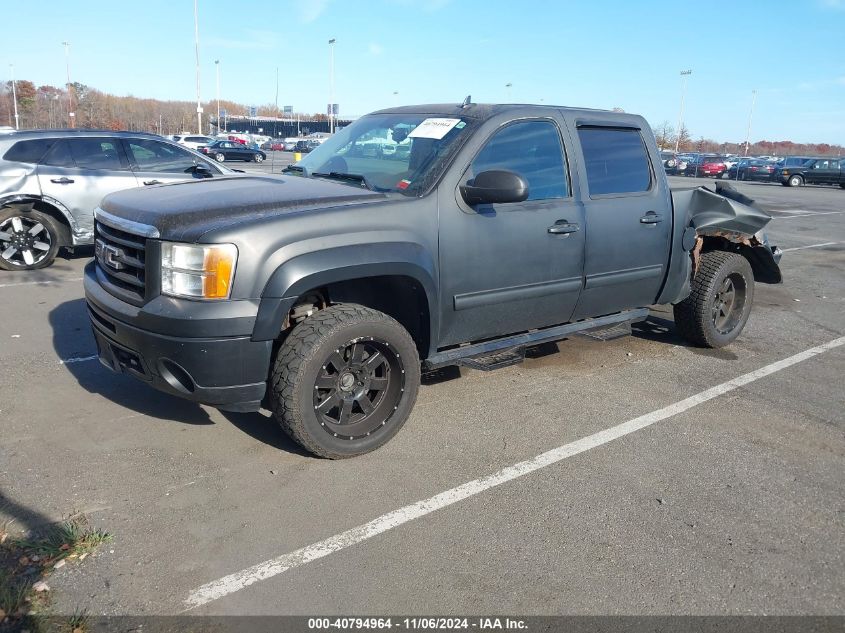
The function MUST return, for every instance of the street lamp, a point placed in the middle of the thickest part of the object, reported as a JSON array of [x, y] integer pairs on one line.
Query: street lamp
[[70, 112], [217, 71], [14, 94], [750, 116], [684, 75], [331, 86], [197, 52]]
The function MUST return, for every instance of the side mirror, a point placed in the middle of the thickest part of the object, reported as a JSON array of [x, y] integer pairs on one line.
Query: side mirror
[[495, 186], [202, 171]]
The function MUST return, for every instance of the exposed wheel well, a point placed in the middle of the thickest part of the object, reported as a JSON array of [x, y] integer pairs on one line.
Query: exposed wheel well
[[759, 256], [398, 296]]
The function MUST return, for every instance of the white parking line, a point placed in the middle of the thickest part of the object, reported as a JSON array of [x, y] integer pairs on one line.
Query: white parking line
[[45, 282], [801, 248], [262, 571], [81, 359], [806, 215]]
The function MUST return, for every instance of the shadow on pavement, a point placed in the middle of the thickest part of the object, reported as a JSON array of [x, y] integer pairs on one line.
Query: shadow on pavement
[[29, 520], [262, 427], [72, 339]]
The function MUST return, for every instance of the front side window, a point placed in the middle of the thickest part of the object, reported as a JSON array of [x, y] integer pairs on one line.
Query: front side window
[[533, 150], [95, 153], [152, 155], [616, 160], [404, 153]]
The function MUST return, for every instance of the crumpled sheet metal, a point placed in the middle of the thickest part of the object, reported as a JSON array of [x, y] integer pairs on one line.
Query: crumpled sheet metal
[[725, 212]]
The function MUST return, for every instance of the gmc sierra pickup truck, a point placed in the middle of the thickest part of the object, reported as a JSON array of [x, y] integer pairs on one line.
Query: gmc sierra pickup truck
[[477, 232]]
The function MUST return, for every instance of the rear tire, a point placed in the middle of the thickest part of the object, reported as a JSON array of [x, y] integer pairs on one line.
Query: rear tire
[[344, 381], [29, 240], [795, 181], [717, 309], [220, 157]]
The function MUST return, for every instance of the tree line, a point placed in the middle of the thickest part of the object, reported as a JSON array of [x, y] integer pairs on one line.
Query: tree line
[[48, 107], [666, 138]]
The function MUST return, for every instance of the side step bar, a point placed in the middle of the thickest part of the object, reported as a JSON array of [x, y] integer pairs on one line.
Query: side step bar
[[469, 354]]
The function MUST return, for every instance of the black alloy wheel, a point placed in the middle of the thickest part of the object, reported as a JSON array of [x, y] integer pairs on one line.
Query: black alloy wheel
[[729, 303], [358, 388]]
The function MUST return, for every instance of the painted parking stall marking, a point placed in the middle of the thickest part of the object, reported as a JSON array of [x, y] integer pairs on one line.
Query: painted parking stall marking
[[232, 583], [44, 282], [801, 248]]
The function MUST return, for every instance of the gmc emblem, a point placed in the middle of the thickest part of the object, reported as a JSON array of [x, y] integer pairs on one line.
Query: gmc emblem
[[109, 255]]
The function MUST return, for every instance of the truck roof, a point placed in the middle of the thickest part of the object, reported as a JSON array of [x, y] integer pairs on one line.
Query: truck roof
[[484, 111]]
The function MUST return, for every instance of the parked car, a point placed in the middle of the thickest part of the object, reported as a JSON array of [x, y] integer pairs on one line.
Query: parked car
[[232, 150], [304, 147], [195, 142], [751, 169], [275, 146], [672, 162], [817, 171], [61, 176], [789, 162], [320, 293], [705, 165]]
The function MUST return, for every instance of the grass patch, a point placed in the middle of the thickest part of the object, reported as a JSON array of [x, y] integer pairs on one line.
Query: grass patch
[[26, 562]]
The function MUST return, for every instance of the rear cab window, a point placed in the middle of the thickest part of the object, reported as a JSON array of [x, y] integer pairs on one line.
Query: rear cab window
[[616, 160]]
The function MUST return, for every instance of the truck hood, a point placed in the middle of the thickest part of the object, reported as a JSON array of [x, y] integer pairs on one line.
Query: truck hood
[[184, 211]]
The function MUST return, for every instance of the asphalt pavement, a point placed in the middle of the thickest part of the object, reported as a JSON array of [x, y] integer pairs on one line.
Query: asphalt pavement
[[728, 503]]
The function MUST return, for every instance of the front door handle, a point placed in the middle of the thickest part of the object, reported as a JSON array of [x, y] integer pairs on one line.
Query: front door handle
[[562, 227], [152, 182], [64, 180], [651, 218]]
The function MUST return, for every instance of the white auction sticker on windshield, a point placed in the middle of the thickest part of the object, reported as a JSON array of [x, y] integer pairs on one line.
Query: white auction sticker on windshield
[[433, 128]]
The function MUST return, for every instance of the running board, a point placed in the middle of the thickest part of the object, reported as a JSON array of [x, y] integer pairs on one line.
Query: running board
[[465, 355]]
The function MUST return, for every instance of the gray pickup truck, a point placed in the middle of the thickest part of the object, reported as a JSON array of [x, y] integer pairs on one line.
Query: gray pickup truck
[[415, 238]]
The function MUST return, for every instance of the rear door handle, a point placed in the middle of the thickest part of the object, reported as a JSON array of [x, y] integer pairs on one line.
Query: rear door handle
[[651, 218], [61, 181], [152, 182], [562, 227]]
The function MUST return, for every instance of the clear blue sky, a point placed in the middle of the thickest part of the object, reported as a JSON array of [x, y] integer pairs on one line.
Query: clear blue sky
[[585, 53]]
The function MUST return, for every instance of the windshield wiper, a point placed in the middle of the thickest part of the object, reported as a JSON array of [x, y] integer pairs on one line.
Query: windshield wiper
[[290, 168], [337, 175]]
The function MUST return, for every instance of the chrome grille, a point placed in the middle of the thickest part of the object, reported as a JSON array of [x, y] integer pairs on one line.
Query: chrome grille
[[121, 262]]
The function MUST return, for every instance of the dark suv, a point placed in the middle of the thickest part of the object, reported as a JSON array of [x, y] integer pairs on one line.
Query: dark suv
[[818, 171], [51, 181]]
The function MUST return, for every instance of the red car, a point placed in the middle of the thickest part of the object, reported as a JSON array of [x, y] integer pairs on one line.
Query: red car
[[712, 167]]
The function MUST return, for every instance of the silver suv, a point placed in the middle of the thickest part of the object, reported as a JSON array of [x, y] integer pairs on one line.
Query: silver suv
[[51, 181]]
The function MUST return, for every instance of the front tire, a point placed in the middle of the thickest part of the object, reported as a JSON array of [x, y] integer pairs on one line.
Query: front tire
[[258, 158], [344, 381], [718, 307], [29, 240]]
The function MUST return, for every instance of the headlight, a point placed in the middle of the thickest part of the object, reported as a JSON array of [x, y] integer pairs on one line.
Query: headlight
[[198, 271]]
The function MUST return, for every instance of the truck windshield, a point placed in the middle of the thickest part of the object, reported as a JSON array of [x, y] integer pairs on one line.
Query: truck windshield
[[404, 153]]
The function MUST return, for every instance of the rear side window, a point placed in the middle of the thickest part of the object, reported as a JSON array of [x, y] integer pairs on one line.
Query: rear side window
[[59, 156], [31, 151], [96, 153], [616, 160]]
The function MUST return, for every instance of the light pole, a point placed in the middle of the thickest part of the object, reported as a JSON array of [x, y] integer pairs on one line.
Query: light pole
[[331, 86], [14, 94], [684, 75], [509, 86], [217, 71], [750, 117], [70, 113], [197, 52]]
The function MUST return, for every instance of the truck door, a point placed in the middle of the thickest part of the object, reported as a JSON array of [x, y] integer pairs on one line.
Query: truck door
[[509, 267], [80, 171], [629, 220]]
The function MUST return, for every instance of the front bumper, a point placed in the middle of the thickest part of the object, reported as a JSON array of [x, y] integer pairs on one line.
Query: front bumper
[[199, 351]]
